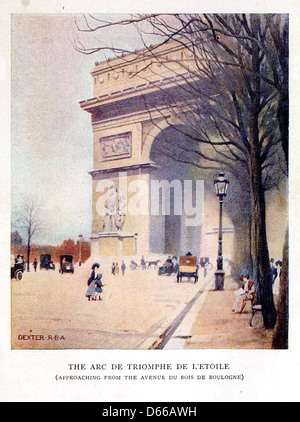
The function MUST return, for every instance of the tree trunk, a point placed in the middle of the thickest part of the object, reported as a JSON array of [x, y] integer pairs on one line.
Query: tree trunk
[[28, 255], [259, 245], [260, 252], [283, 119]]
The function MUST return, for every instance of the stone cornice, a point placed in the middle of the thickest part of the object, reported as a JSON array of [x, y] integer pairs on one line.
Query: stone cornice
[[134, 91], [123, 168]]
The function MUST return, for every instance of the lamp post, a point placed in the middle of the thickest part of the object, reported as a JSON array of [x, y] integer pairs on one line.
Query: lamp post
[[221, 185], [135, 242], [80, 240]]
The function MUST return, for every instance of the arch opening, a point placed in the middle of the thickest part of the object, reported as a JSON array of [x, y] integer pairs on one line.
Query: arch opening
[[178, 187]]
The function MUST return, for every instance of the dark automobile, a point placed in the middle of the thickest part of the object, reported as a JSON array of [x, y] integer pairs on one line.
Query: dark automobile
[[66, 264], [46, 263], [17, 267]]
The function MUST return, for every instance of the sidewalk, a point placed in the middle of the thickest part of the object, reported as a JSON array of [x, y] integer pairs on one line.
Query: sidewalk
[[211, 324]]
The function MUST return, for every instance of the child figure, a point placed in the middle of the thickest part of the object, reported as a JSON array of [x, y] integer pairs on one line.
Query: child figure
[[98, 287]]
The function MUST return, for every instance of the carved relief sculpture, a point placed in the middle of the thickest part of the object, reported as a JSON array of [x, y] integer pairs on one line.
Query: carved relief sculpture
[[116, 146]]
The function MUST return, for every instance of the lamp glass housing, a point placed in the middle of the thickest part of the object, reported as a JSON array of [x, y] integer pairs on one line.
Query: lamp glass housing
[[221, 185]]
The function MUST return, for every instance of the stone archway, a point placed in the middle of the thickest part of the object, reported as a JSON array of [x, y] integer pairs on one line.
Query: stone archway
[[182, 193], [129, 119]]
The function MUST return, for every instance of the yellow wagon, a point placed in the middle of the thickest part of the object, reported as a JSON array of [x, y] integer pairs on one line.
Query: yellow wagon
[[188, 267]]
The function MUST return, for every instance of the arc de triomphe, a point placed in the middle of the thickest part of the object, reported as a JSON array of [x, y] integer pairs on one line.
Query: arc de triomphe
[[128, 114]]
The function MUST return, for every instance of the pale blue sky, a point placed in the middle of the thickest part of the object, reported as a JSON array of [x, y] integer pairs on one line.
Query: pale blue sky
[[51, 136]]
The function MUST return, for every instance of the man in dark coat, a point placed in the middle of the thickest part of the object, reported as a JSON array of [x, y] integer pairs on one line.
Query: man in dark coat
[[35, 264], [123, 267]]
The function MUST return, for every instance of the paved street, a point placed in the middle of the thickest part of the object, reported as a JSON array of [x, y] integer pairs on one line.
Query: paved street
[[50, 310], [211, 324]]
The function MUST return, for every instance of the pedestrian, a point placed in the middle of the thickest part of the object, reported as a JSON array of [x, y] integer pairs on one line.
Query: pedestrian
[[203, 261], [123, 268], [276, 283], [175, 264], [90, 293], [35, 264], [20, 259], [279, 267], [117, 270], [273, 269], [91, 285], [143, 263], [113, 269], [189, 253], [98, 287]]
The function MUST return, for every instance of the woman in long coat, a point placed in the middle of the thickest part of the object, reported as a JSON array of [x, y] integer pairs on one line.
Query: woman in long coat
[[91, 284]]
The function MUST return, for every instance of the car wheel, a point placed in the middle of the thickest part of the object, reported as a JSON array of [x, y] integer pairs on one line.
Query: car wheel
[[19, 275]]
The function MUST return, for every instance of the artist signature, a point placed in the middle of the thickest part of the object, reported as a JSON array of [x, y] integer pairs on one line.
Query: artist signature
[[40, 337]]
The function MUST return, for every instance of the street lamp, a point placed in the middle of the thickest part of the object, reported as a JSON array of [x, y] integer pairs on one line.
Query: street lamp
[[135, 242], [221, 185], [80, 240]]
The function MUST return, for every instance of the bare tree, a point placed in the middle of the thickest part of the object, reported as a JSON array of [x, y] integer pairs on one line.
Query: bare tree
[[234, 92], [28, 219]]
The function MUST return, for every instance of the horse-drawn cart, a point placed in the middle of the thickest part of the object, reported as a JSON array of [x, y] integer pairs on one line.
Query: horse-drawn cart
[[188, 267]]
